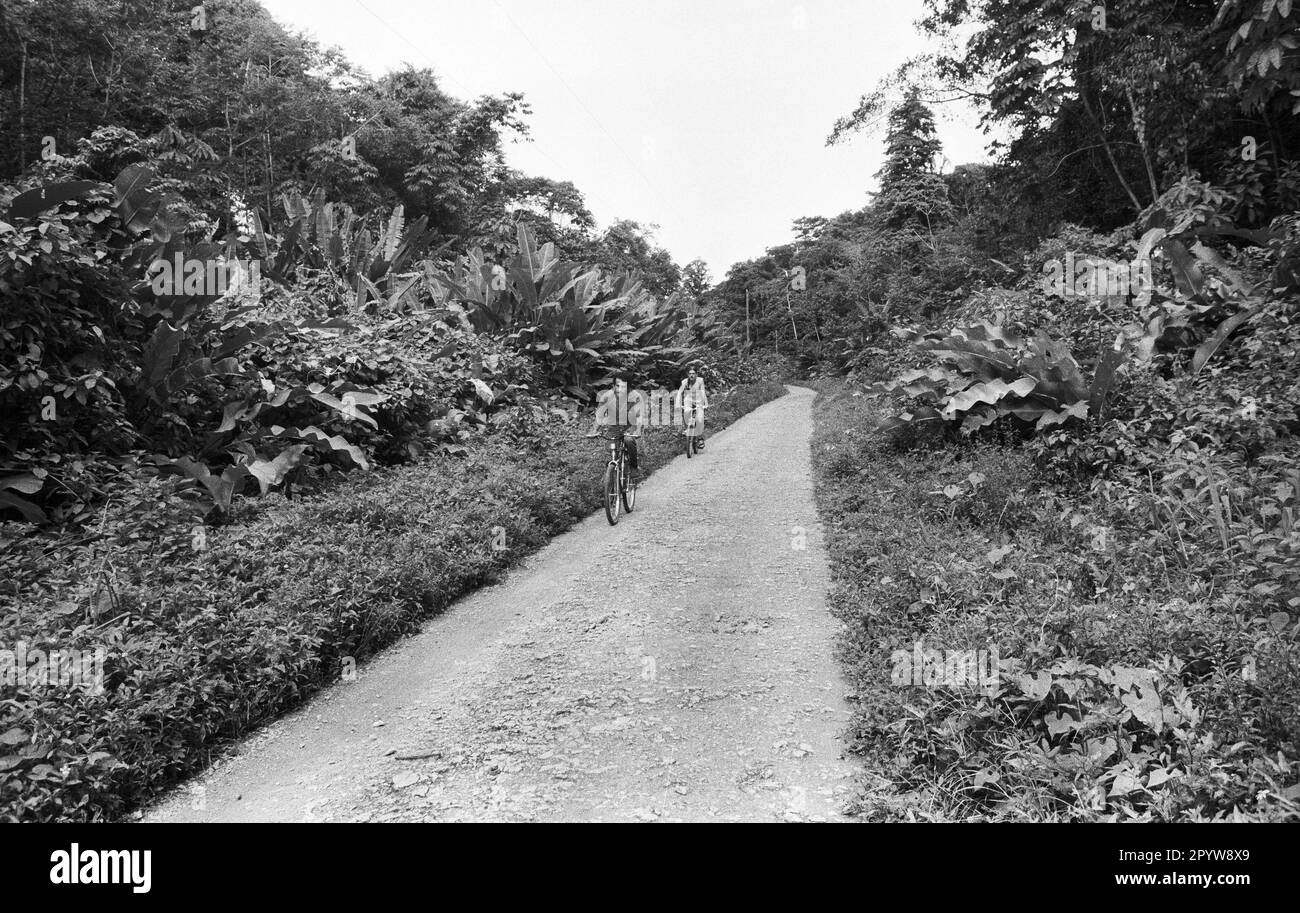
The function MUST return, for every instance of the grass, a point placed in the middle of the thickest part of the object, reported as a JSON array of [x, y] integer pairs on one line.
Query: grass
[[1126, 688], [204, 644]]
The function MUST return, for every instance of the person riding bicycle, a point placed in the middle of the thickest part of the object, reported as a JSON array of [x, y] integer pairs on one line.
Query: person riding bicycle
[[619, 409], [694, 401]]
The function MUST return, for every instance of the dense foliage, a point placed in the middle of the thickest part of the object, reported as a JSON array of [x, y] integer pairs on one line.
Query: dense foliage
[[1084, 450], [216, 137], [205, 640], [1023, 651], [236, 270]]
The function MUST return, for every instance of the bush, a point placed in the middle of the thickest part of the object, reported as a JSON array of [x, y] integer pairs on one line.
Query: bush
[[203, 645], [1130, 684]]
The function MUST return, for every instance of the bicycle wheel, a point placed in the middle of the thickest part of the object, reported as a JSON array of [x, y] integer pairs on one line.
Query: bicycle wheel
[[611, 494], [629, 490], [690, 442]]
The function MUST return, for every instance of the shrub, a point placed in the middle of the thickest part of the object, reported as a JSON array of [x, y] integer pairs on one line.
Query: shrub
[[203, 645], [1131, 684]]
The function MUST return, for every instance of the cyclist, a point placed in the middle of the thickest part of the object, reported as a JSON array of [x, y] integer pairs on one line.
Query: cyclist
[[619, 409], [694, 399]]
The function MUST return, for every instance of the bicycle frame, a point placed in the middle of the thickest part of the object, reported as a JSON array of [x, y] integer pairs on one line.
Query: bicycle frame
[[617, 479], [691, 415], [618, 453]]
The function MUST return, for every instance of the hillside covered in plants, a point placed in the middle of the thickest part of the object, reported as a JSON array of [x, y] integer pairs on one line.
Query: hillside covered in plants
[[259, 307], [291, 358], [1062, 399]]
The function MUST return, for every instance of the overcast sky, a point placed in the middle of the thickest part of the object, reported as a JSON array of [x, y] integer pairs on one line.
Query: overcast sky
[[707, 118]]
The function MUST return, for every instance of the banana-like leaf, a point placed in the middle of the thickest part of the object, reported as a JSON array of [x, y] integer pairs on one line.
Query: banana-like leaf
[[1077, 410], [1210, 257], [31, 203], [135, 205], [1001, 337], [196, 370], [321, 224], [272, 472], [407, 244], [159, 353], [138, 210], [558, 279], [988, 392], [1150, 239], [977, 418], [915, 417], [296, 209], [483, 390], [926, 380], [259, 235], [399, 292], [1187, 275], [237, 337], [392, 236], [348, 405], [926, 387], [521, 274], [1207, 349], [360, 251], [976, 357], [31, 513], [238, 411], [364, 288], [222, 488], [586, 287], [340, 241], [528, 256], [327, 443], [1025, 410], [25, 482], [1103, 379]]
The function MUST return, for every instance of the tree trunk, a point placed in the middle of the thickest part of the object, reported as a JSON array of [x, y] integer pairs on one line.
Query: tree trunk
[[1110, 154], [1140, 130]]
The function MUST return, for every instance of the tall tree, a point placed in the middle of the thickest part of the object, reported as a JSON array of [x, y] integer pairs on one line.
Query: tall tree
[[912, 194], [628, 246], [696, 279]]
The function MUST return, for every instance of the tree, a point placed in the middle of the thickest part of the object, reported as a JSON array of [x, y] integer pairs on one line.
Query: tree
[[627, 246], [696, 279], [560, 202], [1121, 104], [912, 195], [244, 108]]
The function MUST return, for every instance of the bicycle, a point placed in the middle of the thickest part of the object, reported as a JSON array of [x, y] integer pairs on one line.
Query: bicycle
[[620, 485], [692, 441]]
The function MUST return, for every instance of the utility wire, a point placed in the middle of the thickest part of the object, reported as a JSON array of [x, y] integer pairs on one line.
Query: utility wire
[[561, 170], [564, 82]]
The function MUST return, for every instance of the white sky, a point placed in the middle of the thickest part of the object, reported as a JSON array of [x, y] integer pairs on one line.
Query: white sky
[[707, 118]]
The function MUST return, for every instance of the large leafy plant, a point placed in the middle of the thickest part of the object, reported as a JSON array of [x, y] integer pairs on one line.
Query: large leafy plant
[[984, 372], [577, 322], [379, 266], [1197, 301]]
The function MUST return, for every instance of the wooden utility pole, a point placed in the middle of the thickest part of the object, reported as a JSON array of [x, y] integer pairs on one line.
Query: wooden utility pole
[[22, 112], [748, 344]]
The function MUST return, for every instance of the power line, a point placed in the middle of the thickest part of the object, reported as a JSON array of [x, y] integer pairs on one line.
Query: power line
[[564, 82], [468, 94], [464, 88]]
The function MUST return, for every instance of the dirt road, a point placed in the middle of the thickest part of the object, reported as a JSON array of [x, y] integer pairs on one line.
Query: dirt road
[[675, 667]]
